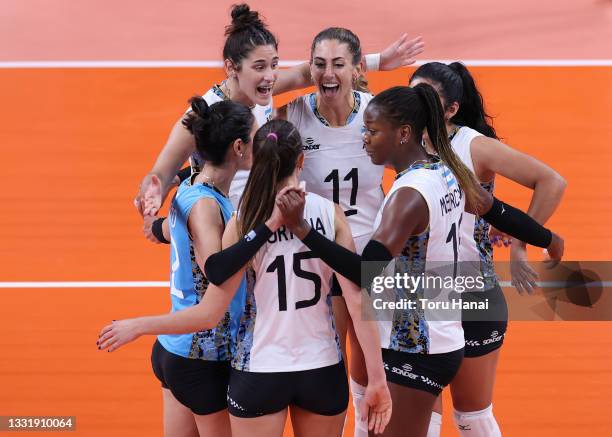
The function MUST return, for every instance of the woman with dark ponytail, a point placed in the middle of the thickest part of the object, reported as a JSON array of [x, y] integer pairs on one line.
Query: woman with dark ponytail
[[287, 344], [251, 61], [194, 368], [416, 232], [475, 141], [286, 355]]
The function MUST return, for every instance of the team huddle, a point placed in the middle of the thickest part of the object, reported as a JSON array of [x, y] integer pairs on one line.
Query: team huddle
[[279, 211]]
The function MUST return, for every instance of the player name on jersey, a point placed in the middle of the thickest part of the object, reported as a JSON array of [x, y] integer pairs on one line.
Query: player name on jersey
[[450, 201], [284, 234]]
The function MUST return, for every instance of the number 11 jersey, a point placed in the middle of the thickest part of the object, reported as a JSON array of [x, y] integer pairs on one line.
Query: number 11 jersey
[[336, 165]]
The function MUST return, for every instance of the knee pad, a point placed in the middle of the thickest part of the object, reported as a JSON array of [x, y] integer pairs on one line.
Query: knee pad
[[477, 423]]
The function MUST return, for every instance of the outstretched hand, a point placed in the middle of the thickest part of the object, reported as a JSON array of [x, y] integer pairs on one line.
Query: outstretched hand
[[401, 53], [118, 333]]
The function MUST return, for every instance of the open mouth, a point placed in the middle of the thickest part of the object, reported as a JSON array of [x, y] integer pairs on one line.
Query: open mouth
[[329, 89], [265, 90]]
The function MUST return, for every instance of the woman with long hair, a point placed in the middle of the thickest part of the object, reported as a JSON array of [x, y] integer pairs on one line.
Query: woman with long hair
[[475, 141], [287, 357], [416, 230]]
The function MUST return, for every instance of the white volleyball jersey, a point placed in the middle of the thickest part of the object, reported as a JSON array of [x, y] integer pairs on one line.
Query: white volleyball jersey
[[474, 232], [423, 330], [336, 165], [288, 324], [262, 115]]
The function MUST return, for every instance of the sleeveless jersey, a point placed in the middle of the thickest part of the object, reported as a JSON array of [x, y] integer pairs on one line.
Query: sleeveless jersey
[[262, 115], [188, 284], [475, 244], [288, 324], [422, 330], [336, 165]]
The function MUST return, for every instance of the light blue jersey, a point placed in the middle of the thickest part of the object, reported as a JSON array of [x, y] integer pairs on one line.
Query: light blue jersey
[[188, 284]]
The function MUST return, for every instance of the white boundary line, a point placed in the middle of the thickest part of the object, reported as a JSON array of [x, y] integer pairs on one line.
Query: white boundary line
[[166, 284], [217, 64], [87, 284]]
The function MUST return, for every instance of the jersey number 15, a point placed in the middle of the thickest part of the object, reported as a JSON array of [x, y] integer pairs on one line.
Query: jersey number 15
[[278, 265]]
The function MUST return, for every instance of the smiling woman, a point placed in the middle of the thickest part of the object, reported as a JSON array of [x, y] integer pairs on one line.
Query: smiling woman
[[336, 165]]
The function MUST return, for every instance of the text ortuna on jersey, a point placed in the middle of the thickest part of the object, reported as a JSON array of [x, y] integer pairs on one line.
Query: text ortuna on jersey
[[285, 234]]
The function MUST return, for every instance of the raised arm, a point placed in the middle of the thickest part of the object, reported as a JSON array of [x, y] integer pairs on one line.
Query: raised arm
[[179, 146], [404, 214], [492, 157], [516, 223], [400, 53]]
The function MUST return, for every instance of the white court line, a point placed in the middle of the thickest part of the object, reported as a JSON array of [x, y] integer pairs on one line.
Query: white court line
[[216, 64], [166, 284], [87, 284]]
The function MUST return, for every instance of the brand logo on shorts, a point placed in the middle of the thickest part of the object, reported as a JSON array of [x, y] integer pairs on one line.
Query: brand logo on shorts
[[495, 337], [406, 371], [310, 144]]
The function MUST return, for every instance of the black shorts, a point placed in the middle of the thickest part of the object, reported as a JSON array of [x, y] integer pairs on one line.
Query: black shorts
[[485, 330], [321, 391], [198, 384], [426, 372]]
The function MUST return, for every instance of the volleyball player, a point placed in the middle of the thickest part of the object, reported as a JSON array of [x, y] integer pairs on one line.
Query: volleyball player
[[194, 368], [475, 142], [419, 214], [251, 62], [287, 356], [336, 165]]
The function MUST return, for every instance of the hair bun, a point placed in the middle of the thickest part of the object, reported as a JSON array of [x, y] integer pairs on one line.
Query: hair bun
[[200, 108], [243, 18]]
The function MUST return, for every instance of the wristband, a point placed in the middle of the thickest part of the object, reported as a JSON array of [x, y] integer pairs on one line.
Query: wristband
[[158, 231], [372, 62]]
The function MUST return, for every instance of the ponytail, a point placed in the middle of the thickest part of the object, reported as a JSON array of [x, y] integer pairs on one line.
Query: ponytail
[[217, 126], [436, 129], [276, 148], [471, 107], [454, 83]]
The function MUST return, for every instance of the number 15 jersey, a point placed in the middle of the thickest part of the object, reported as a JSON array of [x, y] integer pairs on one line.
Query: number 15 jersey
[[287, 324], [336, 165]]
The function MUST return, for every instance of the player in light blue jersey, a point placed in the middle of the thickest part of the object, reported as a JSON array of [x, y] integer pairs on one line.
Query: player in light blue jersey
[[287, 358], [194, 368]]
